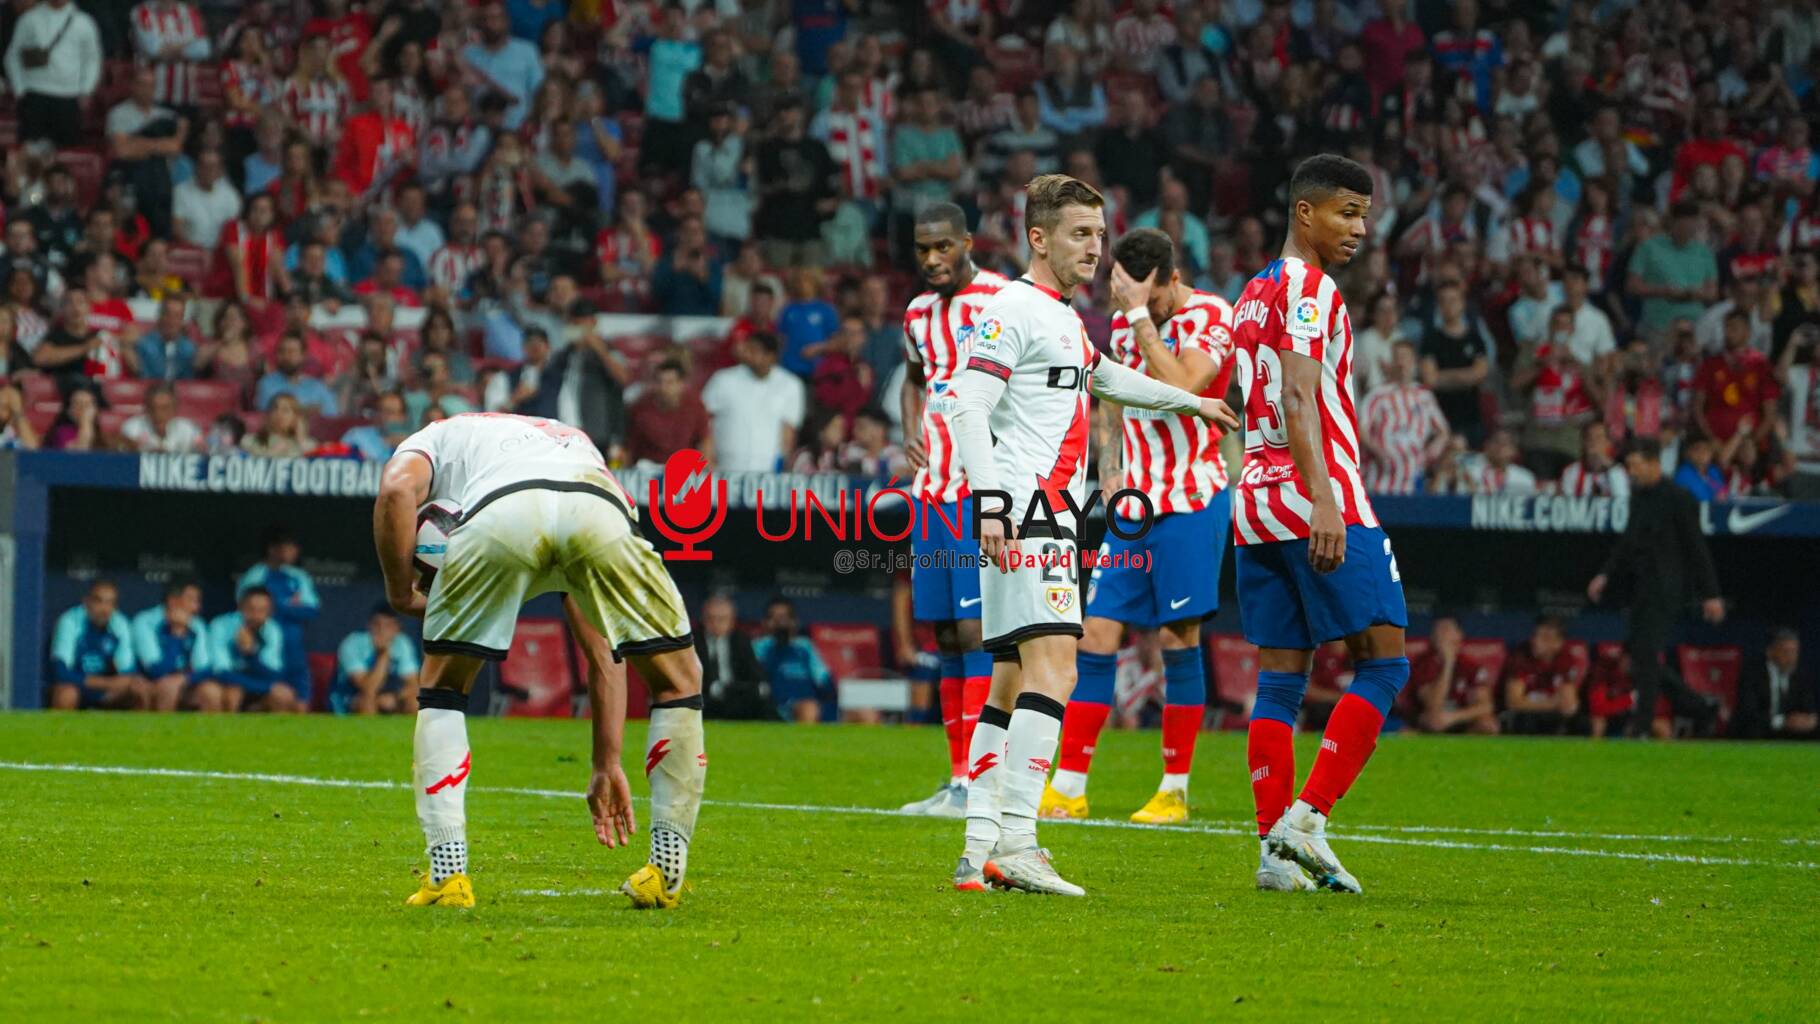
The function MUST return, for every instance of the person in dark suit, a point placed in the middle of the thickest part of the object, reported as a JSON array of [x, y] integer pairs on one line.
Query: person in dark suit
[[1660, 562], [732, 680], [1775, 701]]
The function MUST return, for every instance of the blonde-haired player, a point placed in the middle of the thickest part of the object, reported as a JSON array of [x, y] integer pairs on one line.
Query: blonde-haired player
[[1021, 430], [541, 514]]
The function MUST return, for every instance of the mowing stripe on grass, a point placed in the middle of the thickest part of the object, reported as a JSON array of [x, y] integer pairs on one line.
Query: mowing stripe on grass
[[1206, 829]]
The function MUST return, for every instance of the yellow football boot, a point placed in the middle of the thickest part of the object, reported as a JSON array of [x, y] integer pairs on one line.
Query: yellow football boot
[[1055, 805], [455, 891], [647, 890], [1167, 807]]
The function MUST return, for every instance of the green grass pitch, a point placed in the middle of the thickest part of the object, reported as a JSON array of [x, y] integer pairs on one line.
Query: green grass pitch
[[1505, 880]]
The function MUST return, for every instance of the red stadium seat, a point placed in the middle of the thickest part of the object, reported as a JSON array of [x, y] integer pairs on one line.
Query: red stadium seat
[[203, 400], [850, 649], [124, 395], [109, 420], [538, 664], [40, 415], [88, 167], [322, 677], [38, 387], [1581, 653], [1714, 671], [191, 263], [1235, 677]]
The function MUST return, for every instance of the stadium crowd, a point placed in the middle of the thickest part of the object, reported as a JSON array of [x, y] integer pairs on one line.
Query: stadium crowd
[[305, 228]]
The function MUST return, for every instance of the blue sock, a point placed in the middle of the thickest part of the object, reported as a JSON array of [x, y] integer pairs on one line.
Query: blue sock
[[976, 664], [1184, 679], [1378, 681], [1095, 674], [1280, 696]]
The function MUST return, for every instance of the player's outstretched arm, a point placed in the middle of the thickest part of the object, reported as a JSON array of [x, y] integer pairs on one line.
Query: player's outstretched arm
[[1302, 422], [609, 794], [402, 488], [910, 403], [1126, 386]]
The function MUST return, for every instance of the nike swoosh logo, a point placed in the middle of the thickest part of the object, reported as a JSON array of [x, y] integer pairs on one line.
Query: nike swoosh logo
[[1173, 605], [1741, 521], [968, 602]]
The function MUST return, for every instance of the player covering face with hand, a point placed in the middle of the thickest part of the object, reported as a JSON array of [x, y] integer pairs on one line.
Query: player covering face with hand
[[541, 514], [1166, 577], [1021, 430], [1312, 563]]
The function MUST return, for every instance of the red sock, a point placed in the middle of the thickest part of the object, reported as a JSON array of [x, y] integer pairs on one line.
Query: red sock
[[1270, 752], [1081, 726], [1181, 727], [952, 704], [1351, 736], [973, 697]]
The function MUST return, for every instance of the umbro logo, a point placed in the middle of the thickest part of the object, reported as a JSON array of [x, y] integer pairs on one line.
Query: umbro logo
[[1039, 764]]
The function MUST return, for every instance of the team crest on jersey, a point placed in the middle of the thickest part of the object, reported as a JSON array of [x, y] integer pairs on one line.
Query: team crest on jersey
[[1061, 599], [965, 335]]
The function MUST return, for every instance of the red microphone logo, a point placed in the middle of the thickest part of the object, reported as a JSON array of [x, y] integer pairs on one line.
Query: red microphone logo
[[689, 510]]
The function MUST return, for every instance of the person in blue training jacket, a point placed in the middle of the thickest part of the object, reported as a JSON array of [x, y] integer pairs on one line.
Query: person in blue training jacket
[[294, 600], [376, 669], [800, 680], [248, 658], [171, 643], [92, 663]]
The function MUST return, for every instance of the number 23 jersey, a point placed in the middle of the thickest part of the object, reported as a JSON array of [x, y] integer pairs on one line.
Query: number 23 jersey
[[1291, 306]]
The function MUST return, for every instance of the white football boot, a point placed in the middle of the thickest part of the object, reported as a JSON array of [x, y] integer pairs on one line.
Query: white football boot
[[1029, 871], [1278, 875], [1300, 835], [950, 801]]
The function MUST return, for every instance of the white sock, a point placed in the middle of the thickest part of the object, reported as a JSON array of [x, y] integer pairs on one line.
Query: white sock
[[1178, 783], [1070, 784], [676, 763], [985, 760], [439, 773], [1036, 728]]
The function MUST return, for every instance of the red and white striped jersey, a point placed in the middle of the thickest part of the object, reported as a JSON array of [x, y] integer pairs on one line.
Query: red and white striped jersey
[[252, 81], [1291, 306], [450, 266], [856, 141], [1528, 236], [319, 107], [410, 105], [1401, 419], [1593, 245], [263, 253], [1174, 458], [158, 24], [1030, 337], [1577, 481], [938, 332]]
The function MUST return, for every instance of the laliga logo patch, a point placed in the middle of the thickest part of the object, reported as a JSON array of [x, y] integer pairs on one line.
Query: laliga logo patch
[[1307, 311], [1061, 599], [991, 329]]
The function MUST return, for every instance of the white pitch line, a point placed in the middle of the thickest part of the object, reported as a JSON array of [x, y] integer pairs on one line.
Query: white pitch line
[[1208, 829]]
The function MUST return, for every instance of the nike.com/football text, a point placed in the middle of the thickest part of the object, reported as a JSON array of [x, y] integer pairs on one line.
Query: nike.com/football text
[[851, 560]]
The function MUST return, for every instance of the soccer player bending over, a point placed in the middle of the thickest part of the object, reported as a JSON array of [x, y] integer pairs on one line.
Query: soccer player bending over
[[1021, 426], [1312, 563], [1167, 579], [541, 514]]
